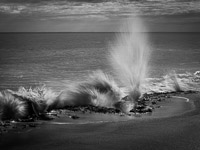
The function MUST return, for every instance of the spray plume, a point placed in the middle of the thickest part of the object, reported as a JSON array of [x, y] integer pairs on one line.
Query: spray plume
[[129, 56]]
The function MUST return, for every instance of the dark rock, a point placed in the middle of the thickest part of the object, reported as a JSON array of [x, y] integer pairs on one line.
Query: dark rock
[[14, 127], [26, 120], [45, 117], [153, 102], [74, 116], [32, 125], [24, 126], [158, 106], [143, 109]]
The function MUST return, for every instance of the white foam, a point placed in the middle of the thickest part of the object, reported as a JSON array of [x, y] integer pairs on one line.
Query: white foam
[[186, 82]]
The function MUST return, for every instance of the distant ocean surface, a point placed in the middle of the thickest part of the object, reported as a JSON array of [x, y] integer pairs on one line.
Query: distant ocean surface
[[54, 59]]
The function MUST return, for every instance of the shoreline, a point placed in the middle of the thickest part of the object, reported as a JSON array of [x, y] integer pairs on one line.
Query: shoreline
[[149, 107], [172, 132]]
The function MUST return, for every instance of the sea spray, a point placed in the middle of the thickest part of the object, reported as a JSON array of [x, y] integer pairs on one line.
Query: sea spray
[[129, 56], [98, 90], [172, 82], [175, 80], [11, 107], [26, 102]]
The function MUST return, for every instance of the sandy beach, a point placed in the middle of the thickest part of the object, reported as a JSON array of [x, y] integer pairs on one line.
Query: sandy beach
[[178, 130]]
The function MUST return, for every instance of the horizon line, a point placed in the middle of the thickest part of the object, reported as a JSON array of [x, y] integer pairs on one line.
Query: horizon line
[[92, 32]]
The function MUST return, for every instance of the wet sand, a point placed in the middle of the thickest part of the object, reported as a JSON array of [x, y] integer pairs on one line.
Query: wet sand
[[167, 128]]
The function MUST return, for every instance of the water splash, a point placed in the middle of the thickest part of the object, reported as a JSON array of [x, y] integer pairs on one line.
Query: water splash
[[172, 83], [175, 81], [129, 56], [98, 90], [11, 107]]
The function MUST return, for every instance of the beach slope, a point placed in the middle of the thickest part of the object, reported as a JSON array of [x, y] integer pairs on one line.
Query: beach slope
[[180, 131]]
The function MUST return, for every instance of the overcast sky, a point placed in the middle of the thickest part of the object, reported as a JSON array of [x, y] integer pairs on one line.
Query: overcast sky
[[97, 15]]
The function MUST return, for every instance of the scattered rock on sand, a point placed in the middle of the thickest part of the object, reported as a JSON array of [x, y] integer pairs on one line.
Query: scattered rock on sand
[[73, 116]]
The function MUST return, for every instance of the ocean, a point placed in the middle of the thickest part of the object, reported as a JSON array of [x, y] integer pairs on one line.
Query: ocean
[[55, 59]]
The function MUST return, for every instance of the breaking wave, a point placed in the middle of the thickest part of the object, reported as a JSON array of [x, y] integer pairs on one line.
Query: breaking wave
[[173, 83], [98, 90]]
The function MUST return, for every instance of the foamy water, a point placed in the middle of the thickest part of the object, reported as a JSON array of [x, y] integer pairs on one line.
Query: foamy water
[[186, 81]]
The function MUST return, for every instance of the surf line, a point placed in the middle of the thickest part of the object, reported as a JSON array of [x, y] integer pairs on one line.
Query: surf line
[[67, 123], [187, 99]]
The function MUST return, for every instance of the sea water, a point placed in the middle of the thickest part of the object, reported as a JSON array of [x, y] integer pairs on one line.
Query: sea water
[[56, 59]]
